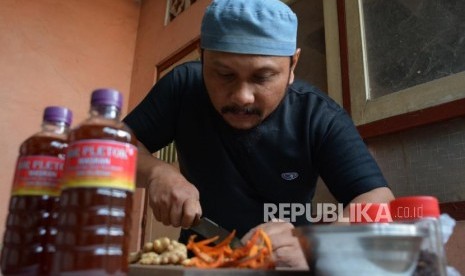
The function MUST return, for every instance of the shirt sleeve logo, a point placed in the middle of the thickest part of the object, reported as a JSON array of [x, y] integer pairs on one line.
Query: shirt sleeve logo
[[289, 175]]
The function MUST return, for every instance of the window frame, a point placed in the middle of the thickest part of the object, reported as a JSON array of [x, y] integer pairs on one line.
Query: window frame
[[416, 106]]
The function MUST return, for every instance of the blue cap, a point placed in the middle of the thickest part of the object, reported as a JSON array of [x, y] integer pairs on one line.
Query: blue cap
[[260, 27]]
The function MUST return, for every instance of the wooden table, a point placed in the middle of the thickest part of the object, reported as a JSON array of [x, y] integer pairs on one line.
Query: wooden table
[[172, 270]]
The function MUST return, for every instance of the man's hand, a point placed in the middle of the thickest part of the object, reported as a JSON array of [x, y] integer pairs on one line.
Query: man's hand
[[286, 248], [174, 200]]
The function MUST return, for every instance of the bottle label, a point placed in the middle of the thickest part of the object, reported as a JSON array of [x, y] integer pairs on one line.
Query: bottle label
[[38, 175], [100, 163]]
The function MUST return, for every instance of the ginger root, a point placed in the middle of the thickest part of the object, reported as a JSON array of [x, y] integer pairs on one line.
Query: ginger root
[[161, 251]]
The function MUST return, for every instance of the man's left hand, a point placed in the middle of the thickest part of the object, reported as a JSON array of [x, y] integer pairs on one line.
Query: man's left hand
[[286, 248]]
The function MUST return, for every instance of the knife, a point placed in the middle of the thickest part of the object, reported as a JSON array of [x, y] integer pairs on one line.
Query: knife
[[208, 229]]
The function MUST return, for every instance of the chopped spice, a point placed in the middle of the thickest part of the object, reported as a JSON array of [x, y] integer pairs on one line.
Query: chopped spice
[[256, 253]]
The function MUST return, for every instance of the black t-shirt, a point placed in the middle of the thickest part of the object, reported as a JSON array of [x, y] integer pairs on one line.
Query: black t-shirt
[[279, 161]]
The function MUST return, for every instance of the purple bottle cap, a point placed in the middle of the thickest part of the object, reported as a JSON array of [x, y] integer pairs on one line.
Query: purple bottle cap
[[107, 96], [58, 114]]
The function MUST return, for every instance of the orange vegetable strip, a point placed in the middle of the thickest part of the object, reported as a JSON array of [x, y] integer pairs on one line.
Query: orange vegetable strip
[[253, 250], [199, 263], [255, 254], [207, 241], [227, 240], [218, 261], [201, 255], [267, 240]]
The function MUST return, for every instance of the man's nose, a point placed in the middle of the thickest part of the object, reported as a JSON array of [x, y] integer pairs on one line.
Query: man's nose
[[243, 94]]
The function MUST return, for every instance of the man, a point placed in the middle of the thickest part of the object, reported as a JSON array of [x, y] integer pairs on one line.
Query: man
[[247, 133]]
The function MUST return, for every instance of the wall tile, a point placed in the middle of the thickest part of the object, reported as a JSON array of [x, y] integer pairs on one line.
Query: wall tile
[[425, 160]]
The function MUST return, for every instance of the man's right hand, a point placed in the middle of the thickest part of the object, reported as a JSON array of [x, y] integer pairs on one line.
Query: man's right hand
[[174, 200]]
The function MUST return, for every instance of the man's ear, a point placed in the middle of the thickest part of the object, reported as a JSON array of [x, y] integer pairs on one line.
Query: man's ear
[[295, 59]]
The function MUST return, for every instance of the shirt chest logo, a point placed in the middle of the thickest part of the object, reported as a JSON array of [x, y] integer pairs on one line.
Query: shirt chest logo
[[289, 175]]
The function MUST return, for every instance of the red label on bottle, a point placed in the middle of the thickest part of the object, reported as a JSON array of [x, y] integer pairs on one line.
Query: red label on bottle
[[38, 175], [100, 163]]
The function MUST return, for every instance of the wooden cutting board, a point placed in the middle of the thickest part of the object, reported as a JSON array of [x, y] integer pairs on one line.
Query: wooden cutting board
[[172, 270]]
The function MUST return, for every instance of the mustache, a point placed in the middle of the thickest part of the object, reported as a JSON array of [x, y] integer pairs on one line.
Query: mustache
[[234, 109]]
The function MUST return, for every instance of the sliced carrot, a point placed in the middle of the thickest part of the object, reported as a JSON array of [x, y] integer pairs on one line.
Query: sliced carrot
[[267, 240], [256, 253]]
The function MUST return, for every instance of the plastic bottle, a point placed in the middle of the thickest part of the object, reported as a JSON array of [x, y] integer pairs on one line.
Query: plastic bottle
[[28, 243], [423, 211], [96, 200]]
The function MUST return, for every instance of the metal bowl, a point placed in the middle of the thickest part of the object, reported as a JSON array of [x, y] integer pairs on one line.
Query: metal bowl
[[366, 249]]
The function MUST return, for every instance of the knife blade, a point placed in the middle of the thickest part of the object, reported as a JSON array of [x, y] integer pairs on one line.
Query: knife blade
[[208, 229]]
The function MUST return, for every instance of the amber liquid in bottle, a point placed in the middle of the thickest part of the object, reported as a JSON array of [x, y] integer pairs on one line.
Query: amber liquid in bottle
[[28, 245], [93, 222]]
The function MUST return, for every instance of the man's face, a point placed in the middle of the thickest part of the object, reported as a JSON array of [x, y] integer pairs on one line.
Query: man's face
[[245, 89]]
